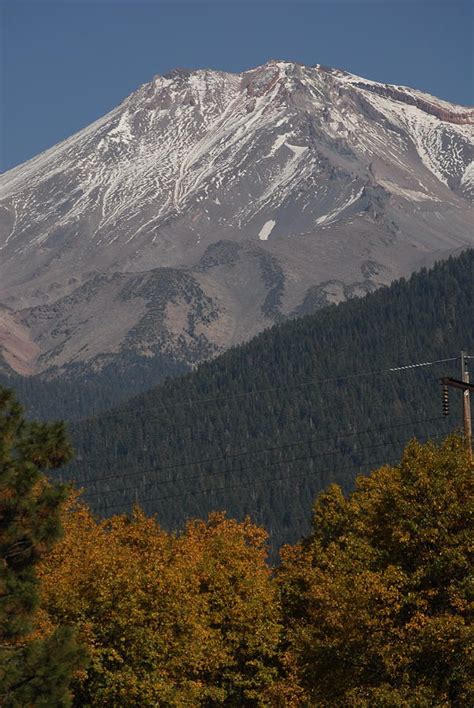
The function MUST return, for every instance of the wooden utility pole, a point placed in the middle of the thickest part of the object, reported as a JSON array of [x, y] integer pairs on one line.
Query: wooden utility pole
[[465, 386]]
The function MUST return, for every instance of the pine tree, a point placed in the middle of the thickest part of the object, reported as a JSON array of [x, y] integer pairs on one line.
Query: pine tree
[[33, 671]]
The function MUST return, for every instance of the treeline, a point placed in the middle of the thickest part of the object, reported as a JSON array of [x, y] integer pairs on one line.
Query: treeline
[[78, 391], [370, 609], [265, 427]]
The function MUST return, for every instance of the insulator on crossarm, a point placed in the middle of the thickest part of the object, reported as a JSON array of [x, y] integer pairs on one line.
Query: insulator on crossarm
[[445, 400]]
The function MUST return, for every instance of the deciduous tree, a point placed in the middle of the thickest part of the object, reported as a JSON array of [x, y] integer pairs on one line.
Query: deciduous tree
[[186, 619], [376, 601]]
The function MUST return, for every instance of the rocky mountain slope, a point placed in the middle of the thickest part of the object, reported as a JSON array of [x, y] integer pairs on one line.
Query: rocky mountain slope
[[266, 426], [209, 205]]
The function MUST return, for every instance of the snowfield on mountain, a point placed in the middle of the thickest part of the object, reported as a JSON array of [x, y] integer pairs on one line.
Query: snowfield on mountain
[[209, 205]]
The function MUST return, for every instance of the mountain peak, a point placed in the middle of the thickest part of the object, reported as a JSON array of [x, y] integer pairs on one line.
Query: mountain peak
[[295, 186]]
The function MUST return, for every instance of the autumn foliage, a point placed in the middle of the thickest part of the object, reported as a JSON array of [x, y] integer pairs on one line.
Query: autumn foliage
[[372, 609], [183, 619], [377, 601]]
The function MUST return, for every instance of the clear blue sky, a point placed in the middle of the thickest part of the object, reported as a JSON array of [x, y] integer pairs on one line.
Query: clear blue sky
[[66, 62]]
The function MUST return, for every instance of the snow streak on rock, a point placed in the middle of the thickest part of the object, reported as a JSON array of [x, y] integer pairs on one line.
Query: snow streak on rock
[[280, 179]]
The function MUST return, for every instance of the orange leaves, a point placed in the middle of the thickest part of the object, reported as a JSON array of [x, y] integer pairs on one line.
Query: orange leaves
[[178, 618], [376, 601], [371, 609]]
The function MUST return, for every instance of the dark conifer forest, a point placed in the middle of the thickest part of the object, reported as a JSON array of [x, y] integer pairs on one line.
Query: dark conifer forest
[[261, 430]]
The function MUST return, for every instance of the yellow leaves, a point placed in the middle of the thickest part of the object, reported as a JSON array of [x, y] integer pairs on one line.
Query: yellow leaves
[[376, 601], [165, 617]]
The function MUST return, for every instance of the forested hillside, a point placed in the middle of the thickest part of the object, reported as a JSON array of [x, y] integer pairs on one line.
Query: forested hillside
[[263, 428], [79, 393]]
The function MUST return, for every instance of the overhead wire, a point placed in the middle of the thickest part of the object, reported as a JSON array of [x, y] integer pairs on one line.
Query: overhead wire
[[226, 457], [187, 426], [243, 394], [369, 413], [239, 485], [310, 441], [260, 467]]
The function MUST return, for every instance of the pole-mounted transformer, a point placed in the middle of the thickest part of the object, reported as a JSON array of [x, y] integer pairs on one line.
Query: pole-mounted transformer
[[466, 387]]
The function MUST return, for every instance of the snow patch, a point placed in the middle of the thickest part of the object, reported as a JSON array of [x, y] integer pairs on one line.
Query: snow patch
[[411, 194], [266, 230], [331, 216], [151, 156], [297, 149], [122, 132], [279, 142], [468, 177]]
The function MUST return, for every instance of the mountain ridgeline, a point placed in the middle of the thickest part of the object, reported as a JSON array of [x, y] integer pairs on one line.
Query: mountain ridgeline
[[209, 206], [267, 425]]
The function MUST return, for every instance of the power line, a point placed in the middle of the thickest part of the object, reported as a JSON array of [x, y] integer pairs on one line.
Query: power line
[[368, 411], [274, 448], [309, 382], [225, 457], [246, 469], [291, 476], [268, 479]]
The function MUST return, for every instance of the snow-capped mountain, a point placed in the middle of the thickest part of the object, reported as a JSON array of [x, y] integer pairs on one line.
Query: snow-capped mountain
[[208, 205]]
